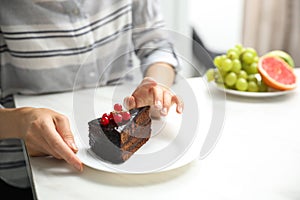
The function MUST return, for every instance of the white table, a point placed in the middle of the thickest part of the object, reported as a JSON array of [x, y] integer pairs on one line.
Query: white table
[[257, 157]]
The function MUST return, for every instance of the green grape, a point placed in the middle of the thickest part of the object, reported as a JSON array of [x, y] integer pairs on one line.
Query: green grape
[[243, 74], [256, 59], [238, 69], [218, 61], [252, 69], [247, 57], [222, 73], [224, 56], [218, 77], [210, 74], [233, 53], [252, 86], [236, 66], [230, 79], [230, 87], [252, 77], [241, 84], [245, 67], [226, 65], [251, 50], [262, 86], [239, 47]]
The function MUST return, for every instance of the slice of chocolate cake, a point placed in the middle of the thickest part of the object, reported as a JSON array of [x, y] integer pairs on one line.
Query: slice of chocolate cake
[[115, 137]]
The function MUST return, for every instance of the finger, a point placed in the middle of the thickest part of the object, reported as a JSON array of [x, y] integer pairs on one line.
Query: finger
[[154, 114], [129, 102], [63, 128], [37, 145], [157, 98], [60, 147], [179, 104], [167, 103]]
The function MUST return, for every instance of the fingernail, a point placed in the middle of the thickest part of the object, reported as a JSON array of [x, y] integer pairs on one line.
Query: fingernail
[[158, 105], [180, 109], [164, 111], [72, 145], [78, 166]]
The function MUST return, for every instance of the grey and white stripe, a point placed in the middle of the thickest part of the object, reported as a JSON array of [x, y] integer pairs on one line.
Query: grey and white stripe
[[43, 44]]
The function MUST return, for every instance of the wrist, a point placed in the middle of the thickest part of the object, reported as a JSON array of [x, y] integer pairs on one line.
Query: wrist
[[10, 123], [163, 73]]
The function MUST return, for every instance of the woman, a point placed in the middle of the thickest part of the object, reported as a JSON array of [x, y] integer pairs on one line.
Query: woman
[[43, 44]]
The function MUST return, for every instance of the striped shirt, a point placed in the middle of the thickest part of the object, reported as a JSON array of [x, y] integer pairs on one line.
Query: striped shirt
[[49, 45], [13, 164]]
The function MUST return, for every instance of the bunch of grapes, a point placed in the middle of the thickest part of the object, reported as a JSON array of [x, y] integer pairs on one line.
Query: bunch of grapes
[[238, 70]]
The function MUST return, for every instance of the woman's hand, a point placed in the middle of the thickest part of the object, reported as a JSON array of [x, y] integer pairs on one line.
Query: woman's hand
[[149, 92], [45, 132]]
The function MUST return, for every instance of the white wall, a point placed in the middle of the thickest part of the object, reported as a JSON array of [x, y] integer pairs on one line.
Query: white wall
[[177, 20], [218, 22], [176, 15]]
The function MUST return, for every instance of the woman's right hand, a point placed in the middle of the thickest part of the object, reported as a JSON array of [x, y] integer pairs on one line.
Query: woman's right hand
[[45, 132]]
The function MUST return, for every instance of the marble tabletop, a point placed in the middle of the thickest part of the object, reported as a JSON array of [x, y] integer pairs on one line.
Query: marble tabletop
[[256, 154]]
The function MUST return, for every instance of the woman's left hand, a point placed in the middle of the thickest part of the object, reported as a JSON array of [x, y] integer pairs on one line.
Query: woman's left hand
[[149, 92]]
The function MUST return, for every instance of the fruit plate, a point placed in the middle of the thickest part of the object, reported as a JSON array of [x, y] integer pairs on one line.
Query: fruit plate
[[270, 93]]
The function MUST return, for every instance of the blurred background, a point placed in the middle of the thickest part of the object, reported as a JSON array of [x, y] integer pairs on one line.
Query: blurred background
[[218, 25]]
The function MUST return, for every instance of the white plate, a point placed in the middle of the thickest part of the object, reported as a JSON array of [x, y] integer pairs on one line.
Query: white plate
[[176, 139], [182, 135], [271, 93], [164, 133]]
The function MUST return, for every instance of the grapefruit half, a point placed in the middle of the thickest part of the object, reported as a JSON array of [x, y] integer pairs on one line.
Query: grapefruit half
[[276, 73]]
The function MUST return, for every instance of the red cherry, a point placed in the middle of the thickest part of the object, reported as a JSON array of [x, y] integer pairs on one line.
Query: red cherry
[[105, 115], [118, 118], [125, 115], [118, 107], [104, 121], [111, 116]]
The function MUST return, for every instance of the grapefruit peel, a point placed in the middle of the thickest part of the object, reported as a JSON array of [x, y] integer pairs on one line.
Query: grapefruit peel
[[284, 55], [276, 73]]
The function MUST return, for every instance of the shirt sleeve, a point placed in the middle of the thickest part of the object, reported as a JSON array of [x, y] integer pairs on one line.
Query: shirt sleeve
[[152, 42], [7, 102]]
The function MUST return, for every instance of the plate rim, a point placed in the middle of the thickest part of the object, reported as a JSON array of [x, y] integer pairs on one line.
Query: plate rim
[[252, 94], [90, 159], [84, 153]]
